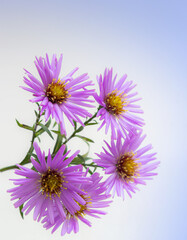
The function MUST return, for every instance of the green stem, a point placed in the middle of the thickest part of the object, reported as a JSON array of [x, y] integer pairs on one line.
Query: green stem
[[58, 142], [8, 168], [81, 127], [87, 165], [28, 155], [91, 165], [26, 159]]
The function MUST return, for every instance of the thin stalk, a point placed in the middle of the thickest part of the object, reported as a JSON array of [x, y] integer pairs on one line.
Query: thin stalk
[[28, 155], [26, 159], [80, 128], [8, 168], [87, 165], [91, 165]]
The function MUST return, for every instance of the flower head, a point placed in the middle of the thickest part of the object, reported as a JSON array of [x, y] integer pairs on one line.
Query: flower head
[[127, 164], [59, 97], [52, 183], [117, 104], [94, 197]]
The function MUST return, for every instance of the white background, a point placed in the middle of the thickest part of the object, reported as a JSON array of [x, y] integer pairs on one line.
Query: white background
[[146, 40]]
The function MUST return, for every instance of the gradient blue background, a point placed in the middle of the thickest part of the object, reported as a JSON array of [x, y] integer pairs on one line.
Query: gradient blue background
[[145, 39]]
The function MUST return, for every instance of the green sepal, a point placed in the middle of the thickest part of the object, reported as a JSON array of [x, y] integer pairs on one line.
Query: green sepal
[[24, 126]]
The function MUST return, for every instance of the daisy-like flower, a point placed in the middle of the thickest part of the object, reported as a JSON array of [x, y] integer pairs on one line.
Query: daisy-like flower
[[127, 164], [59, 97], [117, 104], [94, 197], [52, 183]]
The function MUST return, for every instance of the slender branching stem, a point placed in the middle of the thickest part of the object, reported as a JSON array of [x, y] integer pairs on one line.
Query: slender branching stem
[[26, 159]]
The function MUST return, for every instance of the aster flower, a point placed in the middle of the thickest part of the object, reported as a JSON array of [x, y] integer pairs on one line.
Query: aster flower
[[117, 104], [59, 97], [52, 184], [127, 164], [94, 197]]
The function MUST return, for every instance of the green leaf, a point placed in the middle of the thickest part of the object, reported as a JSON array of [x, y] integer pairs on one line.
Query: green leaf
[[24, 126], [55, 123], [42, 130], [90, 172], [36, 113], [85, 157], [75, 125], [66, 149], [77, 160], [58, 133], [58, 143], [39, 139], [85, 138], [87, 142], [81, 158], [55, 131], [92, 123], [45, 128], [79, 129], [21, 213]]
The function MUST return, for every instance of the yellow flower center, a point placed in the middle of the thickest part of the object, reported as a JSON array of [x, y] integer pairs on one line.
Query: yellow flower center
[[115, 103], [51, 182], [126, 166], [83, 207], [56, 92]]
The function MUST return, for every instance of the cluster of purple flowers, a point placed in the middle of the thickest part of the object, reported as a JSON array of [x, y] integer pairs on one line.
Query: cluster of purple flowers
[[61, 194]]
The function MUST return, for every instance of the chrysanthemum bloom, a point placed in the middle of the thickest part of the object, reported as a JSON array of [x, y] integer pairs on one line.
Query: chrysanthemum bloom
[[127, 164], [94, 197], [52, 184], [59, 97], [117, 104]]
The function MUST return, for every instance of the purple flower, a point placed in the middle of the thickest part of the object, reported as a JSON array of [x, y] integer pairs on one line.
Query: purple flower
[[52, 183], [127, 164], [94, 197], [117, 104], [59, 97]]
